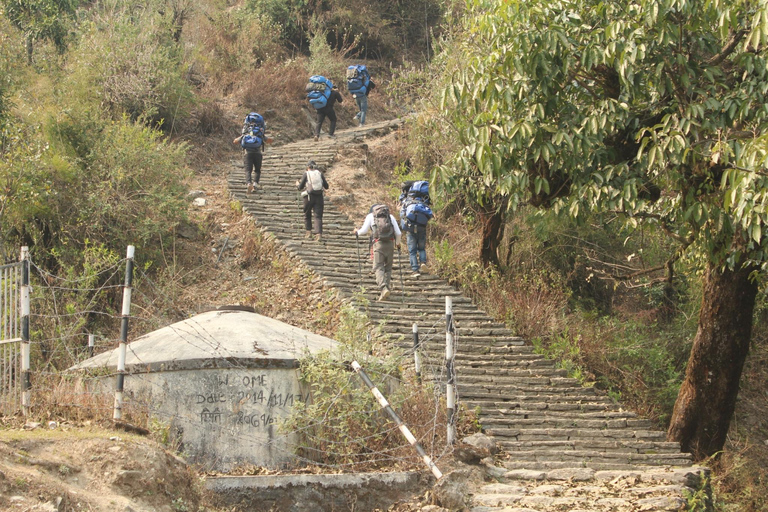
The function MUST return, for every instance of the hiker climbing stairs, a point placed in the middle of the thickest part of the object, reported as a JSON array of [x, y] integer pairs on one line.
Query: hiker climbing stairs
[[543, 419]]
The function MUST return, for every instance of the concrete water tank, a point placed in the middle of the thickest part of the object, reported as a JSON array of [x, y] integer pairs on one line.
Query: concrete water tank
[[221, 381]]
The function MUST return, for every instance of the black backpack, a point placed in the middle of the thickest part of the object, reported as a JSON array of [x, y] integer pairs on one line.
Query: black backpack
[[382, 223]]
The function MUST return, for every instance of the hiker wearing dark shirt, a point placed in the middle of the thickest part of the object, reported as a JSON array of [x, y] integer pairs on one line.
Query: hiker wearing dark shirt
[[312, 185], [327, 111]]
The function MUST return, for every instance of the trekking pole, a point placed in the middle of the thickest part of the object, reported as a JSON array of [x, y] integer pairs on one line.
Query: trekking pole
[[402, 284], [359, 263]]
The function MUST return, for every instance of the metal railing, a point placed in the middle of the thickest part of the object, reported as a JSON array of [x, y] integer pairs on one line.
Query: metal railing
[[10, 338]]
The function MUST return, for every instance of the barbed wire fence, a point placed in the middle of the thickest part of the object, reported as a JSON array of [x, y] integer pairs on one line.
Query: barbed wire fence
[[69, 325]]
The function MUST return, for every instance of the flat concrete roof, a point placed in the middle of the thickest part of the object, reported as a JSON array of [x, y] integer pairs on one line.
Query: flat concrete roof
[[216, 339]]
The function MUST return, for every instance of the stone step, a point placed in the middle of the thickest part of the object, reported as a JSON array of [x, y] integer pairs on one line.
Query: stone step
[[525, 449], [568, 434], [595, 403], [543, 421], [558, 411]]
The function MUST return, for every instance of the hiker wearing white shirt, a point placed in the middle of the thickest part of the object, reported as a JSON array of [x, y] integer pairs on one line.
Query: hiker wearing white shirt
[[385, 235]]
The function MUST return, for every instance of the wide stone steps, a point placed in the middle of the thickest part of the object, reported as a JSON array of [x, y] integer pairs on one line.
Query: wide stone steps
[[544, 419], [617, 488]]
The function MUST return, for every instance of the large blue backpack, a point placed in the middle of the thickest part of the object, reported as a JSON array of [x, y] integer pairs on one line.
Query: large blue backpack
[[318, 91], [418, 213], [253, 137], [418, 190], [358, 79]]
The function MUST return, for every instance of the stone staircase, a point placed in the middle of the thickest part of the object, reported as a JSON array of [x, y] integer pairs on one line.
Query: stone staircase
[[551, 427]]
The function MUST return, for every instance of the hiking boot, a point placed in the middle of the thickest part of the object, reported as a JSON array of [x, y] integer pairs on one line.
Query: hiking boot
[[257, 186], [357, 116], [250, 187], [317, 138], [416, 273], [332, 136], [308, 234], [319, 237], [384, 294], [423, 268]]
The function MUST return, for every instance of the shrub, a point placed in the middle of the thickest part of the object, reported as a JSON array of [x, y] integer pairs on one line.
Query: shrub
[[132, 64], [343, 424]]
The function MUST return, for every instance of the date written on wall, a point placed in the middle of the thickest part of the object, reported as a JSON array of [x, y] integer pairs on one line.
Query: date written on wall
[[251, 393]]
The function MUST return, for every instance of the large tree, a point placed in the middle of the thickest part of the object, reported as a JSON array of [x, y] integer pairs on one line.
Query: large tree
[[655, 110]]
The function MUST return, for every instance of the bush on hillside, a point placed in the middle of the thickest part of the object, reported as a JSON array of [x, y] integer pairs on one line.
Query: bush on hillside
[[343, 424], [227, 41], [132, 64], [377, 29]]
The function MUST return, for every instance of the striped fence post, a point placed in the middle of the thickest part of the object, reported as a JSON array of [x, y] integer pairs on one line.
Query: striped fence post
[[26, 382], [126, 313], [450, 387], [392, 414], [91, 344], [416, 352]]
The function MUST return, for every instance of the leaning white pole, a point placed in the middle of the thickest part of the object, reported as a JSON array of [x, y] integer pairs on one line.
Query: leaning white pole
[[126, 313], [26, 379], [450, 387], [403, 429]]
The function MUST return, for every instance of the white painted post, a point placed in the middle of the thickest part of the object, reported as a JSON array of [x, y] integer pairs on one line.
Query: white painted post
[[91, 344], [417, 352], [26, 382], [450, 387], [126, 313]]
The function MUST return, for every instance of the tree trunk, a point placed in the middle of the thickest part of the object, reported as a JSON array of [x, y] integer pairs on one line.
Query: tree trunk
[[707, 397], [28, 47], [492, 217]]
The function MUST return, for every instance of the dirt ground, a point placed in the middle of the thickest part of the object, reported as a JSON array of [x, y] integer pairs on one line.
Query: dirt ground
[[60, 468]]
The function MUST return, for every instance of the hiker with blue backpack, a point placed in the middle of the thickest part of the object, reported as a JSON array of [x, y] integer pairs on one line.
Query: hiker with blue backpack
[[415, 213], [252, 139], [322, 94], [312, 185], [359, 84], [385, 235]]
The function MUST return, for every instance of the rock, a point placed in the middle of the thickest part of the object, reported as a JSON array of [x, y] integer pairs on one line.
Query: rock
[[452, 490], [469, 454], [525, 474], [52, 424], [194, 194], [188, 231], [200, 201], [451, 493], [495, 471], [32, 425], [480, 440]]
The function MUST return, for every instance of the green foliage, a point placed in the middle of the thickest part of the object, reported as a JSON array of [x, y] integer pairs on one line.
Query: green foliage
[[40, 19], [591, 107], [227, 40], [322, 58], [343, 423], [380, 28], [130, 62]]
